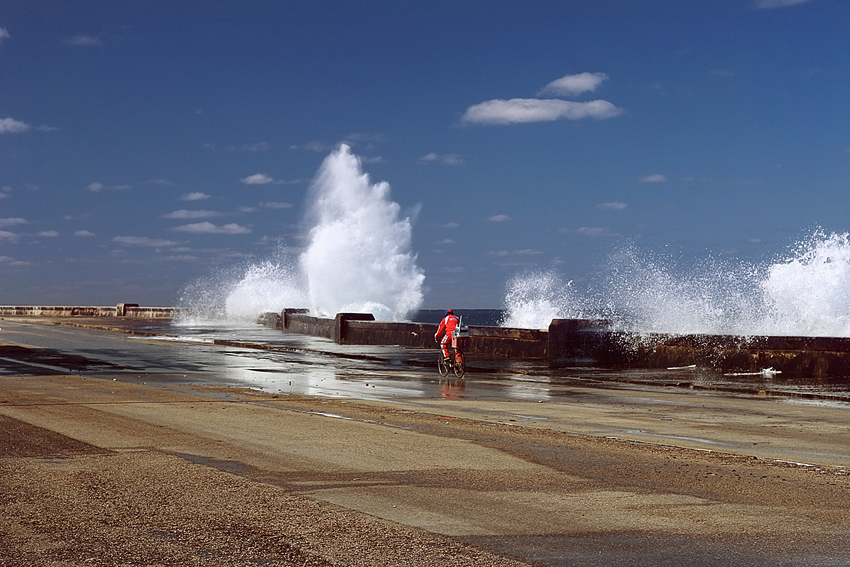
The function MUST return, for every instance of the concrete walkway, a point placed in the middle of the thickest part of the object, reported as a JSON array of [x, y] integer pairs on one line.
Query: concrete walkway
[[587, 477]]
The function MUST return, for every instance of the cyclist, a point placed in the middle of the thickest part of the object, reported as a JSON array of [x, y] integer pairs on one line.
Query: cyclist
[[447, 326]]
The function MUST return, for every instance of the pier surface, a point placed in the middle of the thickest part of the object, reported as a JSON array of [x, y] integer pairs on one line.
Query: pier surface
[[117, 449]]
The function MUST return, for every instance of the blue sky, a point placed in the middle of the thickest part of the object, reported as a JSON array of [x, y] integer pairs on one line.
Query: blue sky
[[147, 144]]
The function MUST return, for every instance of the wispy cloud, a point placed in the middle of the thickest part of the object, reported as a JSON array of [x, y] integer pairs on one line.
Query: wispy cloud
[[276, 205], [506, 253], [445, 159], [256, 147], [12, 126], [14, 221], [498, 218], [97, 187], [572, 85], [654, 178], [612, 206], [143, 241], [85, 41], [768, 4], [210, 228], [186, 214], [525, 110], [194, 196], [593, 231], [4, 34], [6, 235], [9, 261], [84, 234]]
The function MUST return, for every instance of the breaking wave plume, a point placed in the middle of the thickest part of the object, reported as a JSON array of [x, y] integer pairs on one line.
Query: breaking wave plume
[[358, 259], [805, 292]]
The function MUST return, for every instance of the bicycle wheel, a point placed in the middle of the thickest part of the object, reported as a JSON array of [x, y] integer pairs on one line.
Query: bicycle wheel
[[459, 366], [441, 365]]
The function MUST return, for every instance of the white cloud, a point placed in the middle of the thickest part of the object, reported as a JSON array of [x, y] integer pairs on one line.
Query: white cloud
[[257, 179], [524, 110], [142, 241], [12, 126], [4, 34], [499, 218], [194, 196], [654, 178], [95, 187], [85, 41], [767, 4], [612, 206], [84, 234], [48, 233], [6, 235], [210, 228], [14, 221], [445, 159], [185, 214], [571, 85]]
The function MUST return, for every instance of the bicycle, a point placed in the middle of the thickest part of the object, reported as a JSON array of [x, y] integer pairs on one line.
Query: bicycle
[[455, 362]]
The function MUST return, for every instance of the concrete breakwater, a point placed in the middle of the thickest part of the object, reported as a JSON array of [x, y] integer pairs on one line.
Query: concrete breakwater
[[131, 310], [578, 342], [566, 342]]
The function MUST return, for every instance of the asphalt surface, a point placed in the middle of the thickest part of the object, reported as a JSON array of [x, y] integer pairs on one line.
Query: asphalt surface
[[553, 471]]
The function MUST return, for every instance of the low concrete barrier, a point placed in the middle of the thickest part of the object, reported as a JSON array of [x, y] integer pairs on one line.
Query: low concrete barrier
[[131, 310]]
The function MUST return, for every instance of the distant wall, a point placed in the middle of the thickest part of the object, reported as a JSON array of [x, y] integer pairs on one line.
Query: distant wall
[[121, 310]]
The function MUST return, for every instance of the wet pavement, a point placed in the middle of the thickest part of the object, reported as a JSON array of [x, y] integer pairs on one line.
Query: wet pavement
[[601, 467]]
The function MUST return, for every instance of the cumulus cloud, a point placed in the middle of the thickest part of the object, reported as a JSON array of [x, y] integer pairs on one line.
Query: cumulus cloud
[[210, 228], [571, 85], [194, 196], [612, 206], [654, 178], [499, 218], [185, 214], [142, 241], [12, 126], [257, 179], [524, 110], [767, 4], [84, 234], [85, 41], [6, 235]]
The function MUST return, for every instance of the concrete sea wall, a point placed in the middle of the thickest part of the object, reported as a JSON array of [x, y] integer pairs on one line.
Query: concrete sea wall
[[131, 310], [576, 343], [566, 343]]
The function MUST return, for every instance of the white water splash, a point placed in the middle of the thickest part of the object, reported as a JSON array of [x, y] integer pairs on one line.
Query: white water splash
[[358, 259], [805, 292]]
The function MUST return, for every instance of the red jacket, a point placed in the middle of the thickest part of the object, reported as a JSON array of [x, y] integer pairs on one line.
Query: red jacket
[[448, 324]]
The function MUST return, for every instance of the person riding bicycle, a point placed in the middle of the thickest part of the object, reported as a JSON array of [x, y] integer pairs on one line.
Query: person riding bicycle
[[447, 326]]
